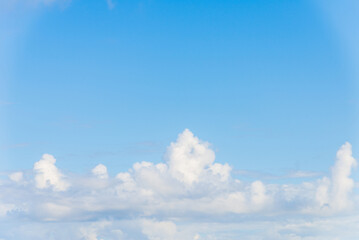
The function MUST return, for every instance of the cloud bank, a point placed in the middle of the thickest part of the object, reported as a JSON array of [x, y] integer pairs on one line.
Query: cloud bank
[[187, 196]]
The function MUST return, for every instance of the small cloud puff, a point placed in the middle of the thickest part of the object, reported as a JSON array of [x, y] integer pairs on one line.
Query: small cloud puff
[[100, 171]]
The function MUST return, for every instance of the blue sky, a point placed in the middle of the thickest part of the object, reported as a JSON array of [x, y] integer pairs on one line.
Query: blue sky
[[266, 83], [271, 85]]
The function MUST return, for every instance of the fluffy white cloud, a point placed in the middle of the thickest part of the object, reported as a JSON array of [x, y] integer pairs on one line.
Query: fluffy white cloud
[[100, 171], [190, 159], [342, 183], [188, 196], [333, 193], [48, 175], [222, 170]]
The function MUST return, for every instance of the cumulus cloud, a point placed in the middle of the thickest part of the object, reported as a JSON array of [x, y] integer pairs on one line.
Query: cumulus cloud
[[47, 175], [189, 159], [187, 196], [334, 193], [100, 171], [342, 183]]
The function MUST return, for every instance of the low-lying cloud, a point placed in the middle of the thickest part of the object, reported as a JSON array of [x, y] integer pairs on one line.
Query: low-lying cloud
[[187, 196]]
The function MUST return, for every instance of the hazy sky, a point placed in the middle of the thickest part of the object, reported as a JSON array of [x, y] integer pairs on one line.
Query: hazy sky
[[178, 115]]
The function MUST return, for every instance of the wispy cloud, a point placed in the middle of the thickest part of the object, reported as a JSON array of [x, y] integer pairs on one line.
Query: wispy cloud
[[251, 174], [12, 146], [5, 103]]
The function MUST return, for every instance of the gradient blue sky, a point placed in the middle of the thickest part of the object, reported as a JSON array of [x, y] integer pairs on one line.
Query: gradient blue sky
[[106, 107], [268, 83]]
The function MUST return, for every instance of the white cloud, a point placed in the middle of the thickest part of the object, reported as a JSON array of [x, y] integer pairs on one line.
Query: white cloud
[[334, 193], [223, 171], [342, 183], [100, 171], [91, 232], [47, 175], [5, 209], [154, 230], [16, 176], [188, 196], [189, 158], [259, 197], [54, 211]]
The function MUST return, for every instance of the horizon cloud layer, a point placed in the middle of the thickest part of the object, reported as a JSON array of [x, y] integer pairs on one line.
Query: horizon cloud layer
[[187, 196]]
